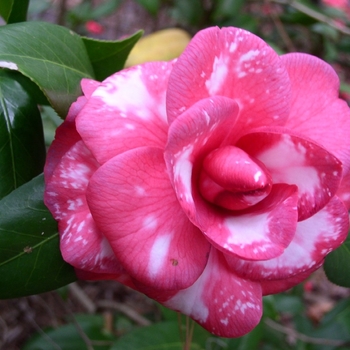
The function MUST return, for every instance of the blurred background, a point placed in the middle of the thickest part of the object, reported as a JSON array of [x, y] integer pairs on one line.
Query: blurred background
[[105, 315]]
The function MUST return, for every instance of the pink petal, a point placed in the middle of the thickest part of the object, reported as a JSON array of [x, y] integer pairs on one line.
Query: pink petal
[[231, 179], [282, 285], [234, 63], [317, 112], [293, 160], [89, 86], [66, 134], [82, 245], [344, 190], [134, 205], [314, 239], [220, 301], [260, 232], [121, 277], [126, 111], [201, 129]]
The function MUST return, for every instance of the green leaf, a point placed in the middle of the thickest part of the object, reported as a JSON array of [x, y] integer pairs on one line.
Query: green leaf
[[335, 263], [18, 11], [159, 336], [5, 8], [108, 57], [69, 336], [13, 11], [30, 259], [22, 147], [53, 57]]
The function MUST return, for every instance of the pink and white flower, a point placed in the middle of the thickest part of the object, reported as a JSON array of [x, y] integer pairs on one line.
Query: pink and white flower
[[205, 182]]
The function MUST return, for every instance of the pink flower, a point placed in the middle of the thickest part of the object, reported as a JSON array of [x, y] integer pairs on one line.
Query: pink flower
[[205, 182], [94, 27]]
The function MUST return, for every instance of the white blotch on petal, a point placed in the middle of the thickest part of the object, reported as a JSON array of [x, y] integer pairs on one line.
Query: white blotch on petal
[[248, 56], [233, 47], [183, 171], [150, 222], [218, 75], [245, 229], [158, 254], [291, 169]]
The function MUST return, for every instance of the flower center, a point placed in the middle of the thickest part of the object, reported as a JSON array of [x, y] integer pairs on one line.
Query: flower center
[[232, 179]]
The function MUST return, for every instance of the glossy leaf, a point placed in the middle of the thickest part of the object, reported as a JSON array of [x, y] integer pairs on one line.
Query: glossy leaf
[[5, 8], [30, 259], [337, 263], [53, 57], [108, 57], [18, 11], [13, 11], [22, 147]]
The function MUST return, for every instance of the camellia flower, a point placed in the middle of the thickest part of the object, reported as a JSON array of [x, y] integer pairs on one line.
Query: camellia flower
[[94, 27], [205, 182]]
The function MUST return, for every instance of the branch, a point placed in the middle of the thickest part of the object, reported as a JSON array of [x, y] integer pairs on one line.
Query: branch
[[305, 338]]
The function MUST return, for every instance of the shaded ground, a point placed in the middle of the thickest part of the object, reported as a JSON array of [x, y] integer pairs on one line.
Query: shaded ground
[[22, 318]]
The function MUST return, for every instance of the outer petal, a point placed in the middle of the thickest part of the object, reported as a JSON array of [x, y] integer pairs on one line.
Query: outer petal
[[234, 63], [317, 112], [134, 205], [314, 239], [66, 134], [344, 190], [119, 275], [294, 160], [220, 301], [82, 245], [278, 286], [127, 111]]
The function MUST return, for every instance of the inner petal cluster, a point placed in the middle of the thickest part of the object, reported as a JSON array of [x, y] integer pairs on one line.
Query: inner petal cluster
[[232, 179]]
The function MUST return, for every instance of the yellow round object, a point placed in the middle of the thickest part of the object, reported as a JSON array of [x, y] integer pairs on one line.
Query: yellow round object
[[163, 45]]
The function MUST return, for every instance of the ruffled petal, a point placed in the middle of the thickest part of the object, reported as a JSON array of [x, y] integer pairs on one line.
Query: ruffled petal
[[282, 285], [134, 205], [316, 110], [89, 86], [66, 134], [201, 129], [119, 275], [127, 111], [314, 239], [293, 160], [82, 245], [220, 301], [261, 232], [234, 63], [344, 190]]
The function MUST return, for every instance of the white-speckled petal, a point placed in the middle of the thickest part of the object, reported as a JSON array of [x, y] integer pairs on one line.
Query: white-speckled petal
[[134, 205], [126, 111]]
